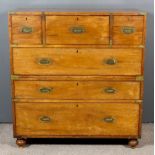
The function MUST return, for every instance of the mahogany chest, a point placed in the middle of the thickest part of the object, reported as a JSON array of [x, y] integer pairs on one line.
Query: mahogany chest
[[77, 74]]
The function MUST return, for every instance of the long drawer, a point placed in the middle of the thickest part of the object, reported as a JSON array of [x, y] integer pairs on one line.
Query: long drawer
[[72, 61], [77, 90], [81, 119]]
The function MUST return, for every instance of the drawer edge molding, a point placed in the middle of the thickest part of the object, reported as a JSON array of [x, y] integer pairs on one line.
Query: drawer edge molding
[[78, 77]]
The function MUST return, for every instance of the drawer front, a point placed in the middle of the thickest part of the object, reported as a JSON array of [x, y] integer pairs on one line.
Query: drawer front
[[77, 30], [77, 90], [26, 29], [81, 119], [72, 61], [128, 30]]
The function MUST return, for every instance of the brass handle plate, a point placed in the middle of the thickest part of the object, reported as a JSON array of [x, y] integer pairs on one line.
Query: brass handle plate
[[128, 30], [111, 61], [44, 61], [108, 119], [110, 90], [45, 90], [26, 29], [77, 29], [45, 119]]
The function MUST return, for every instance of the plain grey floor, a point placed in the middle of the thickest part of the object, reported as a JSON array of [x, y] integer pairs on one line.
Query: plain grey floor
[[8, 146]]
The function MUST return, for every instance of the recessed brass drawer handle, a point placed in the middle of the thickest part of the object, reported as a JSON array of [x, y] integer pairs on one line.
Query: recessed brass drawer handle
[[108, 119], [45, 119], [128, 29], [26, 29], [45, 61], [45, 90], [111, 61], [77, 29], [110, 90]]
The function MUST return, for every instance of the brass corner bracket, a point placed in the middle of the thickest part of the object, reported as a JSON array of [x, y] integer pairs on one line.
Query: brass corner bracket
[[141, 46], [140, 78], [14, 77], [110, 43], [143, 13]]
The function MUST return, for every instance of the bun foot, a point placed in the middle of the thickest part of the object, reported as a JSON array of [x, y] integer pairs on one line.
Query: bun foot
[[133, 143], [21, 142]]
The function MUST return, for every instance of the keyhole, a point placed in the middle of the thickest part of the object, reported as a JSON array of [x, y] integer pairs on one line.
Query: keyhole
[[77, 18], [77, 51], [77, 83], [77, 105], [26, 18]]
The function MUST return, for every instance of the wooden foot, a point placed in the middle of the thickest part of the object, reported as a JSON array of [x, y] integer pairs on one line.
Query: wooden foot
[[133, 143], [21, 142]]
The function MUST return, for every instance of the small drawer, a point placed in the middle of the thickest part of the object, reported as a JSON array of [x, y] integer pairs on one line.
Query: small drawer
[[76, 90], [128, 30], [26, 29], [72, 61], [77, 30], [78, 119]]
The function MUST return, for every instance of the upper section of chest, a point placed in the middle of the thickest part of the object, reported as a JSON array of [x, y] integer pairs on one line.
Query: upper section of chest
[[77, 28]]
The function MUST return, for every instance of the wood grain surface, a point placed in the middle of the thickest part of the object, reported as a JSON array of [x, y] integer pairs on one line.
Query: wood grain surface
[[96, 30], [76, 119], [74, 61], [18, 37], [135, 38], [77, 90]]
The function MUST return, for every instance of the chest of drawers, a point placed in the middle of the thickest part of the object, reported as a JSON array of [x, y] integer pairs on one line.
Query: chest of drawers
[[77, 74]]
